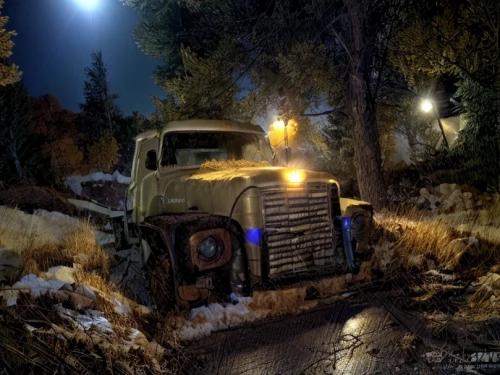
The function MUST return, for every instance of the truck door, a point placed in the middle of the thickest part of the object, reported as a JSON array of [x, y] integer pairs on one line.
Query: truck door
[[139, 171]]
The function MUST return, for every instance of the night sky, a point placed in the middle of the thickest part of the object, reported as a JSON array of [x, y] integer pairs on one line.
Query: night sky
[[54, 42]]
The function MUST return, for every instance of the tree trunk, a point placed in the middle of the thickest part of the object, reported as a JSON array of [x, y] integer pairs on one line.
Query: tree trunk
[[361, 111]]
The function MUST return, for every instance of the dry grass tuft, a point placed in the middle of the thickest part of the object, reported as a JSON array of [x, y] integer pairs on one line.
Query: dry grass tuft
[[280, 302], [442, 240], [81, 246], [218, 165], [327, 287], [40, 251]]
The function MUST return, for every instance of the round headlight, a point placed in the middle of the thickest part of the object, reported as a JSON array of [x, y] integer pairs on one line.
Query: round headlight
[[209, 247]]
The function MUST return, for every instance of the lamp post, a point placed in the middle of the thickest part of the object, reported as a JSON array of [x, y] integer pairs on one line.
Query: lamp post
[[427, 106]]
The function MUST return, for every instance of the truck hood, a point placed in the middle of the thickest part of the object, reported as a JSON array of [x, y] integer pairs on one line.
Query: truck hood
[[215, 191]]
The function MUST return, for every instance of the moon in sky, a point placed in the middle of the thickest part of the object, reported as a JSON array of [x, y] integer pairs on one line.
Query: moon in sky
[[88, 4]]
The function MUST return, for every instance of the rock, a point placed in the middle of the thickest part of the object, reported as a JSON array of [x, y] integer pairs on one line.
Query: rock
[[83, 298], [421, 201], [425, 193], [467, 196], [455, 199], [10, 263], [445, 190], [469, 204], [61, 273], [454, 187], [435, 202], [460, 206]]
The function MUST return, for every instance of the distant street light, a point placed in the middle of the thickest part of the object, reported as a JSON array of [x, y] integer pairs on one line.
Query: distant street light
[[427, 106]]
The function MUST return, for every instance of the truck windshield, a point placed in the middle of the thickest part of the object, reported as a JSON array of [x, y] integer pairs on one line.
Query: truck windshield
[[191, 149]]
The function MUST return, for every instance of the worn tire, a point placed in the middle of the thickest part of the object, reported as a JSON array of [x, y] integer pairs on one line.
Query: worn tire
[[162, 284]]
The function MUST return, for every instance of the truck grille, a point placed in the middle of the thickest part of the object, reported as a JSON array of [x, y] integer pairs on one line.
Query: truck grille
[[298, 227]]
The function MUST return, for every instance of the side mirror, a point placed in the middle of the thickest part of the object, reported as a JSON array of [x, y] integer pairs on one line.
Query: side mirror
[[151, 160]]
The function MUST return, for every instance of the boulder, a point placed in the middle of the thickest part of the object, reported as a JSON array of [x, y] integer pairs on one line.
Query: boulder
[[433, 200], [469, 204], [467, 196], [425, 193], [452, 201], [421, 201], [445, 190], [10, 263]]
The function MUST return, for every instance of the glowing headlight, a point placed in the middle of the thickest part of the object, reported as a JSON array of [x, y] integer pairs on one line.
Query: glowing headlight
[[209, 248], [295, 176]]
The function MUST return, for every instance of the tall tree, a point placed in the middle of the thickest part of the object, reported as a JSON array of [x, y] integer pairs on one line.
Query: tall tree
[[15, 117], [8, 72], [100, 108], [238, 59]]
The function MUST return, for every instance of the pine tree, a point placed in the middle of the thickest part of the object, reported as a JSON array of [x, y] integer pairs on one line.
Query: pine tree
[[100, 108], [8, 72], [15, 117]]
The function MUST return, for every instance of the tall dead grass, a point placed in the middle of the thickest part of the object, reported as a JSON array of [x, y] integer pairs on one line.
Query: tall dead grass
[[44, 243], [446, 239]]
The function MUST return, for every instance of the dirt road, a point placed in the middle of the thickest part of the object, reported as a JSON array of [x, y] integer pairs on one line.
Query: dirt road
[[343, 338]]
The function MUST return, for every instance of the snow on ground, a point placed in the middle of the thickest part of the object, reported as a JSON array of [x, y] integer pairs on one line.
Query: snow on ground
[[18, 228], [75, 182], [203, 320]]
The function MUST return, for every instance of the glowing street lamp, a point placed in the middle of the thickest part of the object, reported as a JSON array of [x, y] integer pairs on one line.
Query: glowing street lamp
[[427, 106]]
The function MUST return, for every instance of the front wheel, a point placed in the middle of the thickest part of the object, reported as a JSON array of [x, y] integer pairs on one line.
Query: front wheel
[[162, 284]]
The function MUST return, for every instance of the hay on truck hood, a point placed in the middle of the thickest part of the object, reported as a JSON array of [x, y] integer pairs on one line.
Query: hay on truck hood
[[225, 170], [218, 165]]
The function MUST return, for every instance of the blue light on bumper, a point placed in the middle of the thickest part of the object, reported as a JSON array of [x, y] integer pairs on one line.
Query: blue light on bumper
[[253, 236], [346, 236]]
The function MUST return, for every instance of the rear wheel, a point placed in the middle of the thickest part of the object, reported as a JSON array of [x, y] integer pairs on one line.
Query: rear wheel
[[162, 284]]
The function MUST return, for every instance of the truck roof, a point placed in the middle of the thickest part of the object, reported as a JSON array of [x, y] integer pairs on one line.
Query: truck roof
[[211, 125], [202, 125]]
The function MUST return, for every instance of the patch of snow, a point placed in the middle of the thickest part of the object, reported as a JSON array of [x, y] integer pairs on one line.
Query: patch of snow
[[214, 317], [75, 182], [38, 286], [33, 284], [99, 176], [19, 229], [443, 276], [57, 216], [104, 238], [94, 319], [61, 273], [118, 177]]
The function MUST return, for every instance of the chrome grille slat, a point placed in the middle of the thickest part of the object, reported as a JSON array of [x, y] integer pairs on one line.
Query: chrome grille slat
[[299, 227]]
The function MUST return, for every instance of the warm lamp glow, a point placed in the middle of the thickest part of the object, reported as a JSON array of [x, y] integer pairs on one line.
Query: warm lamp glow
[[295, 176], [278, 124], [426, 105]]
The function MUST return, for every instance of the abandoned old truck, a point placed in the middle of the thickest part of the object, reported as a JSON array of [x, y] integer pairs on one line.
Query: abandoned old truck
[[214, 214]]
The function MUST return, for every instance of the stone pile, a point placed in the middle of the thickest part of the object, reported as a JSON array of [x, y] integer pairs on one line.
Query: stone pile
[[449, 198]]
